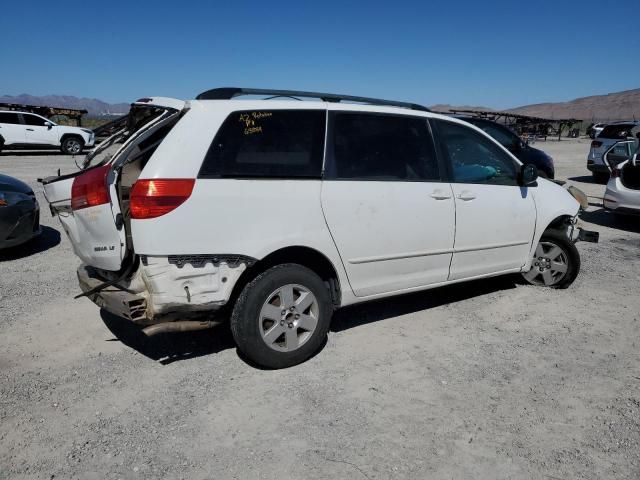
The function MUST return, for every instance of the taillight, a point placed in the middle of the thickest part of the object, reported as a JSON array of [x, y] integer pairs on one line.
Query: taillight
[[596, 144], [90, 188], [153, 198]]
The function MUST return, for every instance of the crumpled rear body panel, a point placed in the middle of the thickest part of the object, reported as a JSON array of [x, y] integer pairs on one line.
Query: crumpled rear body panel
[[201, 285], [166, 286]]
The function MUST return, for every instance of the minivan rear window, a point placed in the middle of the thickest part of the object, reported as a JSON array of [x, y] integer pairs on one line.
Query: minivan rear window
[[618, 132], [268, 144]]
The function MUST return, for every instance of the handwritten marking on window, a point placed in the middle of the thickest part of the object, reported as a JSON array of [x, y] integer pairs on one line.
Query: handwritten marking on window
[[252, 130], [250, 119]]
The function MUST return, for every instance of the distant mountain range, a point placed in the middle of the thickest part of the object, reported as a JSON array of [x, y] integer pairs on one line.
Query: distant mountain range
[[613, 106], [604, 108], [94, 106]]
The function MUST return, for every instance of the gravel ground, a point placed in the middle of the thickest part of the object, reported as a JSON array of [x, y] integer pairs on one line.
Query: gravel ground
[[491, 379]]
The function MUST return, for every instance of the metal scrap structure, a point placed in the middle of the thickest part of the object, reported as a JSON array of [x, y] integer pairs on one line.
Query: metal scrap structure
[[109, 128], [72, 113], [525, 125]]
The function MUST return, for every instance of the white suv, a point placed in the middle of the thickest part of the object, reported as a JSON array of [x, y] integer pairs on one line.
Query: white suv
[[28, 130], [285, 210]]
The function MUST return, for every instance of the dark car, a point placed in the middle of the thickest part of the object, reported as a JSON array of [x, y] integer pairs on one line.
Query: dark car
[[508, 139], [19, 212]]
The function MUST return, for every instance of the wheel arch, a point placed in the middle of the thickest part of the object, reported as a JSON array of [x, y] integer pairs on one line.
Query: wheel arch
[[560, 223], [71, 134], [305, 256]]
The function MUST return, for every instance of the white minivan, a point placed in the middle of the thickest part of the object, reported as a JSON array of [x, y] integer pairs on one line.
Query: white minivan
[[285, 210]]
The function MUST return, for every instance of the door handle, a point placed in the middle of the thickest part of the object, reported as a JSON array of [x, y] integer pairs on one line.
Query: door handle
[[466, 195], [439, 194], [29, 129]]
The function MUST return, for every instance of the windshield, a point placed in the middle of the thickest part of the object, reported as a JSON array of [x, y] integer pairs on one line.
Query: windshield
[[139, 116]]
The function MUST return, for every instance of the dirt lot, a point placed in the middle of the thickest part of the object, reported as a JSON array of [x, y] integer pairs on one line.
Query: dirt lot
[[485, 380]]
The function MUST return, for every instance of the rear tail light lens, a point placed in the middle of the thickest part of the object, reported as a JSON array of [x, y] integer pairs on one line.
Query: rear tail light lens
[[90, 188], [157, 197], [596, 144]]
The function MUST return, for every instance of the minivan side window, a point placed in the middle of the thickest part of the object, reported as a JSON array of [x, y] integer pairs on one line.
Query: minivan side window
[[473, 157], [9, 118], [381, 147], [33, 120], [268, 144]]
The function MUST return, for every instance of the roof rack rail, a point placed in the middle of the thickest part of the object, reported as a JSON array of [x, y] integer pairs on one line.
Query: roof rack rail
[[231, 92]]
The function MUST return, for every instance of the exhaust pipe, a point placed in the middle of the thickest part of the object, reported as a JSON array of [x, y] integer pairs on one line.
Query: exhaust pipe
[[179, 326]]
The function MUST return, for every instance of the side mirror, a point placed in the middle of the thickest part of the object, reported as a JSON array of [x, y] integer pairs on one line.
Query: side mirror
[[49, 125], [528, 175]]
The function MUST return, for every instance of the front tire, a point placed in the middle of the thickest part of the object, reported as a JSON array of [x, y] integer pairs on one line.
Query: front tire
[[282, 317], [72, 145], [556, 261]]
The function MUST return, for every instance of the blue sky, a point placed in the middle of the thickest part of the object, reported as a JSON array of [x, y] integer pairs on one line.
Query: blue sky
[[499, 54]]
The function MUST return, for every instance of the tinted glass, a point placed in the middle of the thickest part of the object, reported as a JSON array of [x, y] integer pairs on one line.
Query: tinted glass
[[618, 132], [382, 147], [503, 136], [10, 118], [268, 143], [33, 120], [474, 158]]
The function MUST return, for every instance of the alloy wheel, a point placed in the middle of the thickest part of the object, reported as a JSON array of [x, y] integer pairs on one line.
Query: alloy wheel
[[288, 318], [549, 265], [73, 146]]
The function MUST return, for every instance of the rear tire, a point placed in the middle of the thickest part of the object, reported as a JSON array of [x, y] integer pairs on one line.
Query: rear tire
[[556, 261], [282, 317], [72, 145]]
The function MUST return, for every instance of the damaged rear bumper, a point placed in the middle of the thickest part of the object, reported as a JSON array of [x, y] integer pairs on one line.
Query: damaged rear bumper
[[163, 288]]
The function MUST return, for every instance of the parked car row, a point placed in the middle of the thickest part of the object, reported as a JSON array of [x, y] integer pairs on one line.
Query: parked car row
[[283, 211]]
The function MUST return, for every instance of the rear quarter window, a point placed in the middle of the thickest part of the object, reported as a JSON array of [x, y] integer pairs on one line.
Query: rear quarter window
[[9, 118], [618, 132], [268, 144]]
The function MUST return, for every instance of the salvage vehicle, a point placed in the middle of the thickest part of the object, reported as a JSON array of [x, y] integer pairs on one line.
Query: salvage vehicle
[[622, 195], [28, 130], [512, 142], [19, 212], [595, 129], [611, 135], [284, 210]]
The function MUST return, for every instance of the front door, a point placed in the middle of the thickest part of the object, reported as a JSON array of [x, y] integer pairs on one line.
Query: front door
[[390, 215], [37, 132], [495, 217]]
